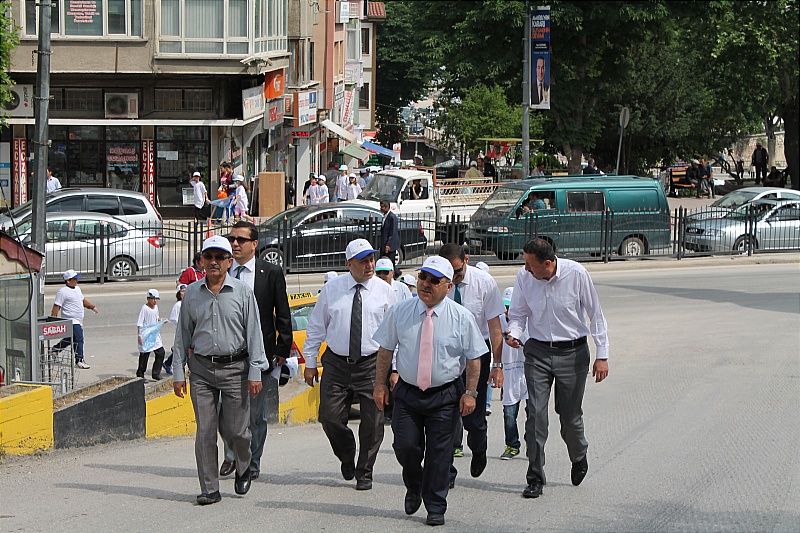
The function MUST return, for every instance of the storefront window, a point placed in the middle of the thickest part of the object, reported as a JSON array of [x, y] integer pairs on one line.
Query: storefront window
[[122, 162], [180, 152]]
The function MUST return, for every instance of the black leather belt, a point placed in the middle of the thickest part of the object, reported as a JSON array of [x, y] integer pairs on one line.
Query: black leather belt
[[431, 390], [224, 359], [562, 344], [347, 358]]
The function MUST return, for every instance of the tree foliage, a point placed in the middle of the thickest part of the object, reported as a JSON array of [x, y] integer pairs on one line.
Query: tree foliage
[[8, 41]]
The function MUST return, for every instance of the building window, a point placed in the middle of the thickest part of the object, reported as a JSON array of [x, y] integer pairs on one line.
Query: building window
[[183, 99], [200, 27], [76, 99], [366, 42], [353, 46], [363, 97], [180, 152], [88, 18], [271, 26], [298, 74], [311, 60]]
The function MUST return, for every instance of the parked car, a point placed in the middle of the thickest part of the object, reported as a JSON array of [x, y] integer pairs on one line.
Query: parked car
[[301, 305], [722, 206], [762, 225], [132, 207], [573, 214], [91, 243], [316, 235]]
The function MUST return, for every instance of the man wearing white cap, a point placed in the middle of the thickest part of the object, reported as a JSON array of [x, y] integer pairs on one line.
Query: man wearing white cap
[[436, 340], [70, 301], [219, 322], [385, 270], [410, 282], [473, 171], [200, 197], [515, 390], [348, 312], [149, 315], [342, 181]]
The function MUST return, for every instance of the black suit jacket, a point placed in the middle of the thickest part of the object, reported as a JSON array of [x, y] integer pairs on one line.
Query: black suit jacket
[[390, 235], [535, 91], [269, 287]]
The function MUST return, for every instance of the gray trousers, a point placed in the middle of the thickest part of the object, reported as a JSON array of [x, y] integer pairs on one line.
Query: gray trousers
[[568, 367], [258, 426], [340, 386], [224, 384]]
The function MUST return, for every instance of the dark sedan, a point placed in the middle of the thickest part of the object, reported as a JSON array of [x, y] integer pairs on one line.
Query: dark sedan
[[314, 237]]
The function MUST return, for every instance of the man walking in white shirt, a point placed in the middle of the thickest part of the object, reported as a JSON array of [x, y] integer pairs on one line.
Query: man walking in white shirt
[[71, 303], [200, 197], [553, 296]]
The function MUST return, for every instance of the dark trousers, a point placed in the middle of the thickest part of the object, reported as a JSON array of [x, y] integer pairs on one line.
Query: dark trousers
[[510, 413], [76, 340], [157, 363], [341, 385], [393, 257], [475, 422], [568, 368], [423, 423], [761, 173]]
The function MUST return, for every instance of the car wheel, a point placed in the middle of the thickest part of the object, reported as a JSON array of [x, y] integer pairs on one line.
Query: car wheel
[[744, 242], [632, 247], [121, 267], [398, 258], [273, 255]]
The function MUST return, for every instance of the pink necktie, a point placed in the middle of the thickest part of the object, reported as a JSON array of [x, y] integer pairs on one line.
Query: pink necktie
[[425, 352]]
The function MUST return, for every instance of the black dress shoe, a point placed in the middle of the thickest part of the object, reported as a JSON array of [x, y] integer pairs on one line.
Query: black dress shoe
[[435, 519], [364, 484], [413, 501], [478, 464], [533, 490], [579, 470], [208, 499], [348, 470], [227, 468], [242, 483]]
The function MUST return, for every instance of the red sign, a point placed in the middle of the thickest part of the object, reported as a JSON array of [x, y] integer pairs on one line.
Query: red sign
[[299, 134], [274, 84], [149, 169], [20, 176], [53, 330]]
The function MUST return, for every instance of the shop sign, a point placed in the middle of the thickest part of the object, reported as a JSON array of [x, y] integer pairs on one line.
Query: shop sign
[[344, 13], [300, 134], [305, 108], [20, 171], [149, 165], [274, 84], [338, 95], [274, 114], [5, 174], [252, 102]]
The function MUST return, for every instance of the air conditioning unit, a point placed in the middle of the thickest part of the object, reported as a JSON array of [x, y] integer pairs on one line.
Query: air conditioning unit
[[21, 102], [122, 105]]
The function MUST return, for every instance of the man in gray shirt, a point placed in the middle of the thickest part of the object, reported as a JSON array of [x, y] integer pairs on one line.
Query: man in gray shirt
[[219, 336]]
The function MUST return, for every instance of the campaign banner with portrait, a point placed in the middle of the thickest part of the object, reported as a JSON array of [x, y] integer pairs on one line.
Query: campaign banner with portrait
[[540, 57]]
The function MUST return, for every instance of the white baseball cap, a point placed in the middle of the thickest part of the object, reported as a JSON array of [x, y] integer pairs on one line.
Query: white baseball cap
[[69, 274], [359, 249], [238, 177], [438, 266], [352, 176], [196, 175], [343, 167], [329, 276], [473, 164], [409, 280], [507, 296], [217, 241], [483, 266], [180, 287], [384, 263], [286, 371], [153, 293]]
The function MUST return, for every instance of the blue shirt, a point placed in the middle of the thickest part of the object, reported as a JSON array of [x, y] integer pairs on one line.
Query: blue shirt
[[456, 338]]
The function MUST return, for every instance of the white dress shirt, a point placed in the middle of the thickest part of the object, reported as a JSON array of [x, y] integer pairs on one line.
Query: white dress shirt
[[515, 388], [555, 310], [456, 338], [401, 292], [481, 296], [248, 275], [330, 320]]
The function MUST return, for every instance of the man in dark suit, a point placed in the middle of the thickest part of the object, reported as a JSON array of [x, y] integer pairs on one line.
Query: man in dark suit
[[390, 235], [540, 95], [269, 286]]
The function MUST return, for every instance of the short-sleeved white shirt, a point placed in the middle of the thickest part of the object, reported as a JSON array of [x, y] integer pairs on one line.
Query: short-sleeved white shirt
[[199, 194], [70, 300], [149, 316]]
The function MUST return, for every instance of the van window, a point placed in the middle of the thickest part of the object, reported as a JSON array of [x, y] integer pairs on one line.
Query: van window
[[585, 201], [103, 204], [133, 206], [74, 203], [630, 199]]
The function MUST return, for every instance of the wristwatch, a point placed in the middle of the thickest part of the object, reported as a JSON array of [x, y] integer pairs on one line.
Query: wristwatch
[[497, 365], [471, 393]]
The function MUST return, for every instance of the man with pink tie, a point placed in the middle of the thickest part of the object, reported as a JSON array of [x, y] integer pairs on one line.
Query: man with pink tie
[[439, 339]]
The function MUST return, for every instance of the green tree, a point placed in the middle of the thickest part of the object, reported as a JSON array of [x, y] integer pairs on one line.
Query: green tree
[[8, 41]]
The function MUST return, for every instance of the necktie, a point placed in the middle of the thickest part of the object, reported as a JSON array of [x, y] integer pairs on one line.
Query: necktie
[[425, 352], [541, 95], [355, 326], [457, 296], [239, 270]]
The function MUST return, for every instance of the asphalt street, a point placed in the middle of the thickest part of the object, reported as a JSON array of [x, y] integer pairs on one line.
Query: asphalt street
[[696, 429]]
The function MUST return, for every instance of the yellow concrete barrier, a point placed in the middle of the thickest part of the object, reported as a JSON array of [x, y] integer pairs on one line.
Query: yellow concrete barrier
[[300, 409], [26, 420], [170, 416]]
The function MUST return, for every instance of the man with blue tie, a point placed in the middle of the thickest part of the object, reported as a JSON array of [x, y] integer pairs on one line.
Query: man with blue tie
[[436, 341]]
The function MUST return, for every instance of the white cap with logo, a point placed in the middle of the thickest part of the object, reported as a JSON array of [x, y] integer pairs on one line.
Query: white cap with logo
[[483, 266], [217, 241], [384, 263], [69, 274], [329, 276], [359, 249], [507, 296], [153, 293], [409, 280], [438, 266]]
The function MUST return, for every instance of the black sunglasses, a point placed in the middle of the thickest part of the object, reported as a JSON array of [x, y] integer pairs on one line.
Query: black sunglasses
[[433, 280], [240, 240], [215, 257]]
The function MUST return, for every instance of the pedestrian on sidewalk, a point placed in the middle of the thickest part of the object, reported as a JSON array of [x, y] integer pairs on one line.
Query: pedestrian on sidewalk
[[436, 340], [149, 336], [200, 197], [515, 390], [70, 301]]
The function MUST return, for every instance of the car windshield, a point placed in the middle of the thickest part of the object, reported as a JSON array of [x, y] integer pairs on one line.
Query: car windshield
[[292, 214], [734, 199], [503, 199], [743, 211], [300, 316], [383, 187]]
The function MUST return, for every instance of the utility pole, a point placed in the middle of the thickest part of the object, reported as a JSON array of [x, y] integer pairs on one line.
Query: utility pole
[[526, 95], [41, 103]]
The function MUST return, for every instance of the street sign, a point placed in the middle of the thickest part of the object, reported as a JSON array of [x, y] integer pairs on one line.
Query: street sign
[[624, 117]]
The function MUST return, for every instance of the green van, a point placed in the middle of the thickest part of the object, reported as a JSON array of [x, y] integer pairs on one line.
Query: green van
[[623, 215]]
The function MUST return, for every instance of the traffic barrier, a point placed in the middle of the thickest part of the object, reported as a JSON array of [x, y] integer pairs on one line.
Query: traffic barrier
[[26, 420]]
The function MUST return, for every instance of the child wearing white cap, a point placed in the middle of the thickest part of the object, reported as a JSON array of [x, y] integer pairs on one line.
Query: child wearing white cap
[[515, 389], [411, 283], [241, 203], [353, 189], [148, 316]]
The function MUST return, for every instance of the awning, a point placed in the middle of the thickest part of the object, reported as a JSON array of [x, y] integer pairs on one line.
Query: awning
[[353, 150], [378, 149], [338, 130]]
